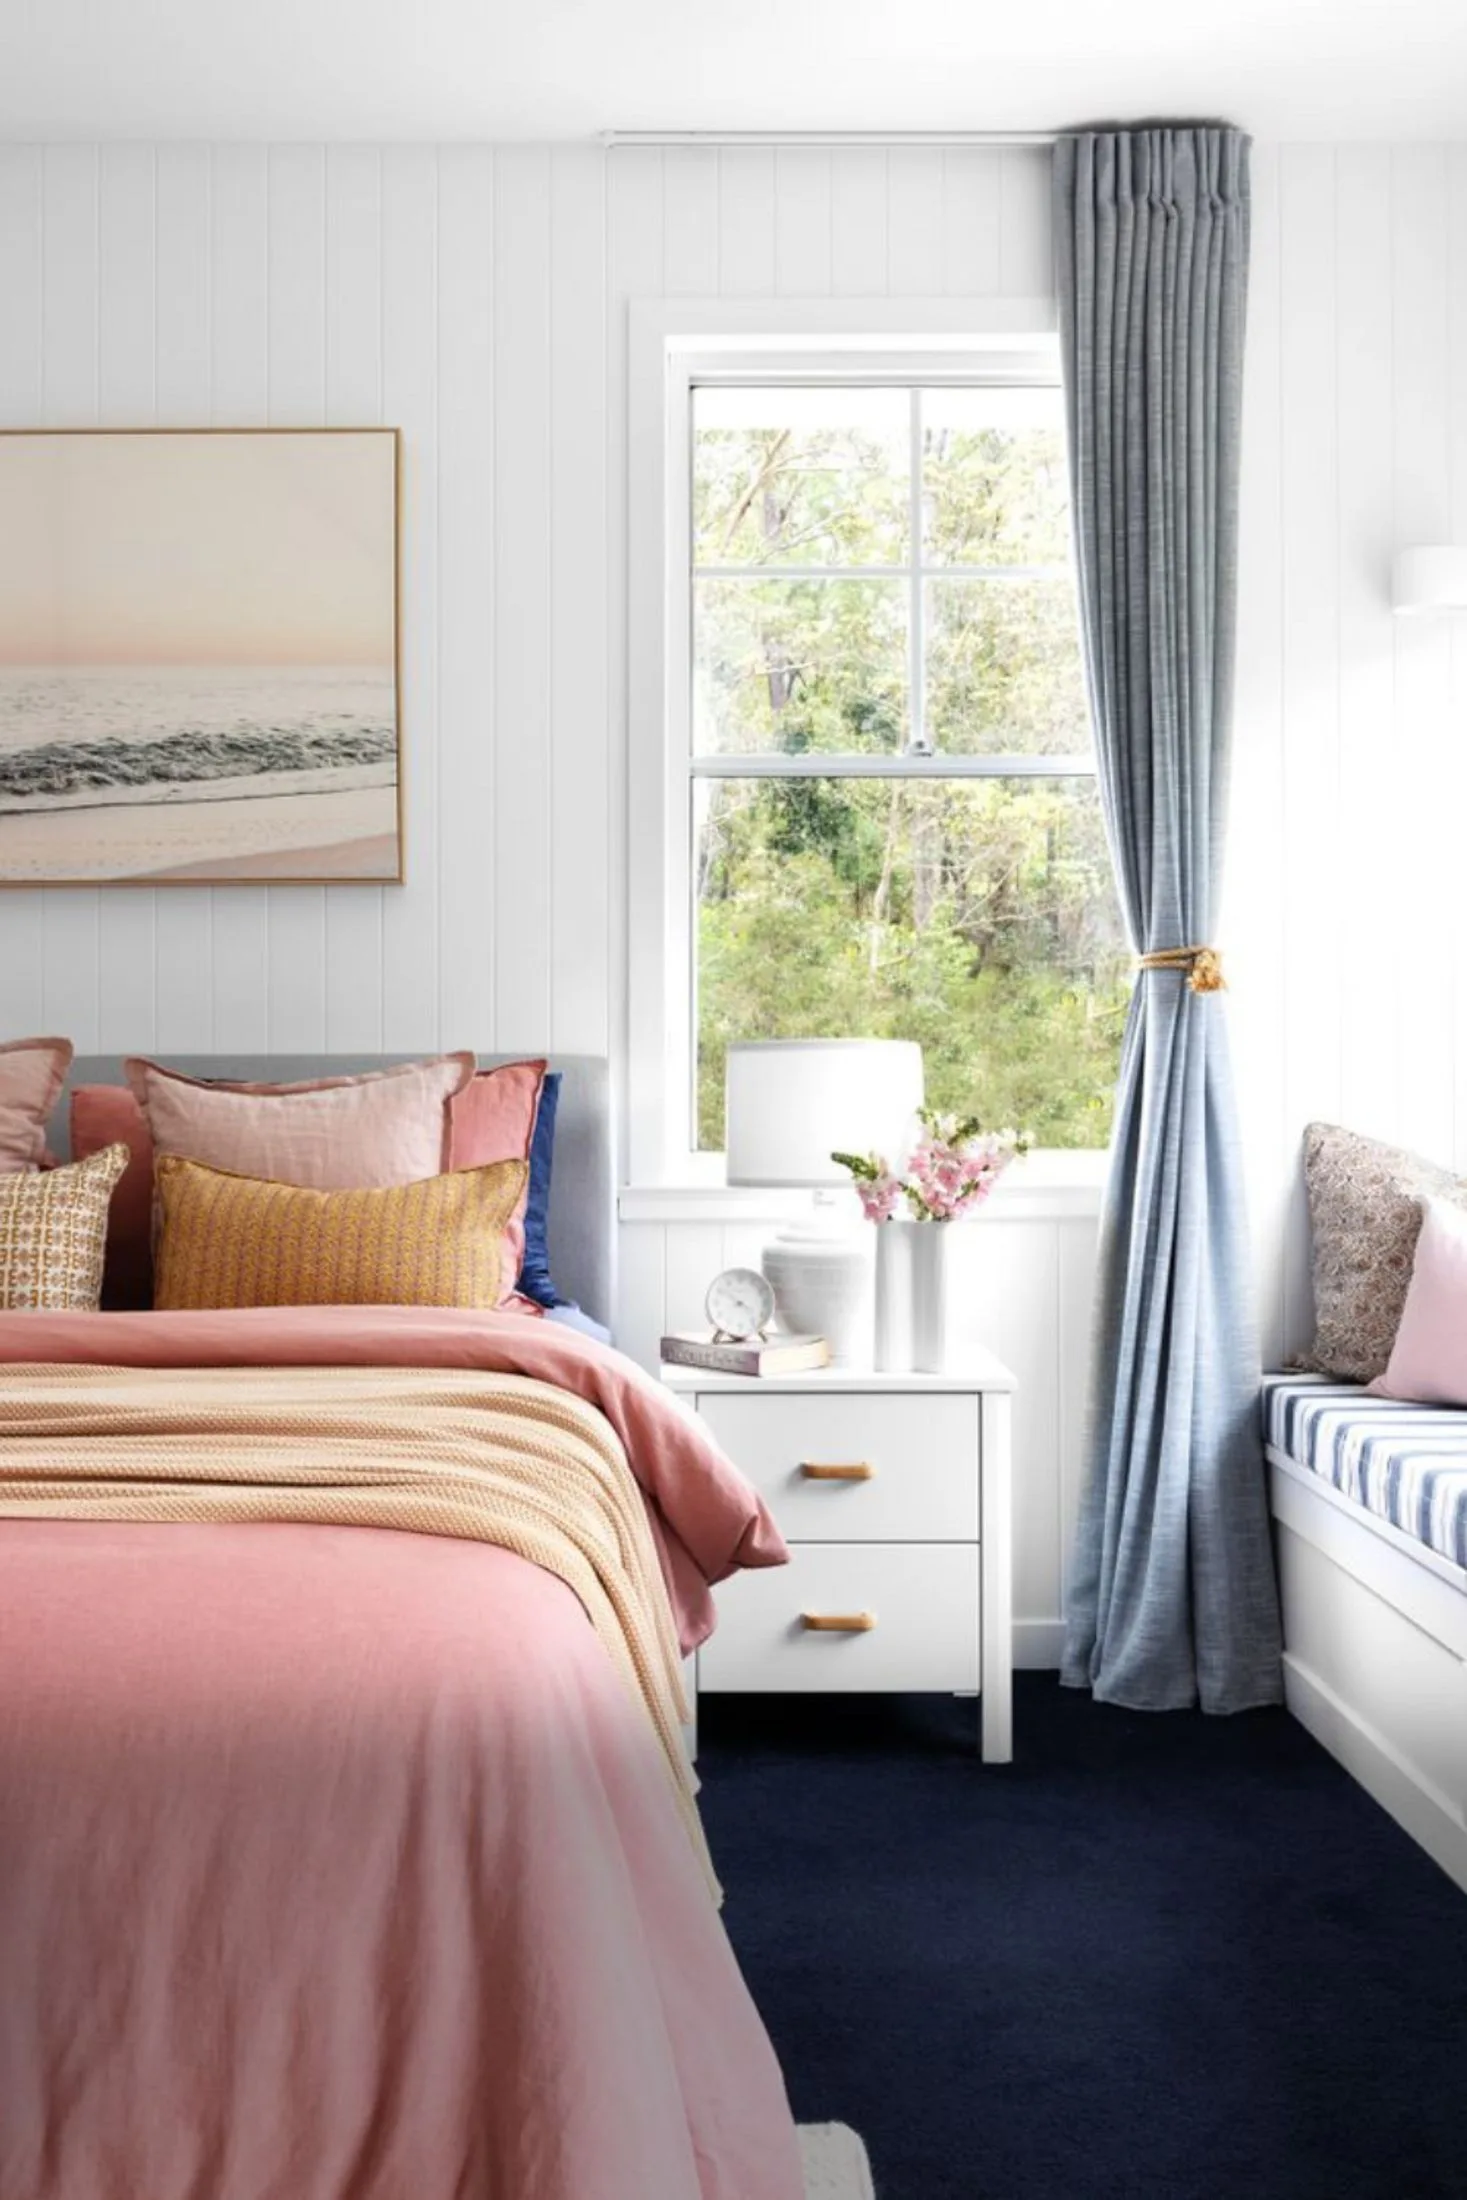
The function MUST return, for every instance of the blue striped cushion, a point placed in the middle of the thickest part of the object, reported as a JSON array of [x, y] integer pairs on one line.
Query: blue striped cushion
[[1406, 1463]]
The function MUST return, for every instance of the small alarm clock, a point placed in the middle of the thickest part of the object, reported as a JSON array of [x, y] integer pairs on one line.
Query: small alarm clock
[[740, 1305]]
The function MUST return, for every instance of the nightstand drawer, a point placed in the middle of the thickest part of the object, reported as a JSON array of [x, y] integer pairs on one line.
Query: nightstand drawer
[[912, 1462], [913, 1611]]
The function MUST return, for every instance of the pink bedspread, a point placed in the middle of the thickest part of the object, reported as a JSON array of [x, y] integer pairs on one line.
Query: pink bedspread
[[707, 1519], [337, 1864]]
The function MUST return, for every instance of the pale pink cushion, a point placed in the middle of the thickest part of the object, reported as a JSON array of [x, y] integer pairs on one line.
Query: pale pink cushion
[[32, 1073], [329, 1133], [493, 1119], [1428, 1361]]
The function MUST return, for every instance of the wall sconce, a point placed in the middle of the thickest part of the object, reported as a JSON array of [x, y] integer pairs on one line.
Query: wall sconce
[[1429, 577]]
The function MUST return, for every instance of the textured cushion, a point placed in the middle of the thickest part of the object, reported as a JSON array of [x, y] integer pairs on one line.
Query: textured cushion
[[53, 1228], [1365, 1215], [1428, 1361], [108, 1115], [237, 1241], [493, 1119], [332, 1133], [32, 1073]]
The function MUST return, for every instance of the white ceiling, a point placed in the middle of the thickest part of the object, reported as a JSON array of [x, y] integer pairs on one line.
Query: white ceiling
[[566, 68]]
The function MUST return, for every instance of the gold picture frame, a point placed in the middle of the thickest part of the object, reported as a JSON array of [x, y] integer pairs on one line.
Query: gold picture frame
[[201, 660]]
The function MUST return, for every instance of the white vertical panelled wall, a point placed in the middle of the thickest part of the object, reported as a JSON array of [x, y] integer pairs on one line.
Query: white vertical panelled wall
[[1342, 920], [476, 297], [458, 293]]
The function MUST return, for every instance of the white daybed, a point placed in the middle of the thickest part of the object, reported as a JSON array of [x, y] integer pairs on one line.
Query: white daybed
[[1370, 1503]]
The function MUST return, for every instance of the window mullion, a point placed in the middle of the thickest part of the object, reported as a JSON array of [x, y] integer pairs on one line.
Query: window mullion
[[917, 740], [878, 764]]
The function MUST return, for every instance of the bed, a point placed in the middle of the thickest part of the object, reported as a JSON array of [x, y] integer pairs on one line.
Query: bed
[[1369, 1500], [340, 1857]]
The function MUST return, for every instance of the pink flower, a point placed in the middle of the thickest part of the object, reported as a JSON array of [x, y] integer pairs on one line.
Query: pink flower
[[953, 1169], [879, 1197]]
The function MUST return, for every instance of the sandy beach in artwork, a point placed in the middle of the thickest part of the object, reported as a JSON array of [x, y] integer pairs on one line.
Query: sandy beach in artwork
[[281, 835], [199, 773]]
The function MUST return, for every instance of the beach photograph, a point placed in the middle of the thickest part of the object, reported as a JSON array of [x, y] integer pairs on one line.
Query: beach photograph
[[198, 657]]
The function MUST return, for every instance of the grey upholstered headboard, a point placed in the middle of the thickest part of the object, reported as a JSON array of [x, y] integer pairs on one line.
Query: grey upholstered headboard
[[582, 1192]]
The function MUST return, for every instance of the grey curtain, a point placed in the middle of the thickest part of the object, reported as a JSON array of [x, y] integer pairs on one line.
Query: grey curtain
[[1173, 1598]]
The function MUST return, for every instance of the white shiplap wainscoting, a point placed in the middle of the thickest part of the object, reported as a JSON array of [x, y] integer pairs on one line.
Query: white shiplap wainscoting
[[1025, 1272]]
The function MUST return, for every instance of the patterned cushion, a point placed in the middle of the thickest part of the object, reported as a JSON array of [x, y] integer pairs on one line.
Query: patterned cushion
[[1365, 1215], [244, 1241], [53, 1233]]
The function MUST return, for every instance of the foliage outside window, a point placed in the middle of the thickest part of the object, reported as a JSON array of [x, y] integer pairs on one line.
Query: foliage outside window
[[897, 829]]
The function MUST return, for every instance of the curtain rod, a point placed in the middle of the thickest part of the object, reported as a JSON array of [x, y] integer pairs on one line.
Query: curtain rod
[[828, 137]]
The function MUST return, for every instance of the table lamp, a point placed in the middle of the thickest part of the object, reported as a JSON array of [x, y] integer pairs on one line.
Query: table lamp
[[790, 1104]]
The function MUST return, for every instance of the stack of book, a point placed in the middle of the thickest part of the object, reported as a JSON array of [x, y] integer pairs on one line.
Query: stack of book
[[744, 1355]]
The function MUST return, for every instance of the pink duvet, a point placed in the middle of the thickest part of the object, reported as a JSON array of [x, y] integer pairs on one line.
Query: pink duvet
[[337, 1864]]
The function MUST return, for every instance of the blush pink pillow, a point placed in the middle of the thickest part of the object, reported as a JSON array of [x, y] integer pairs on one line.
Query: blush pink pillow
[[108, 1115], [493, 1119], [329, 1134], [32, 1073], [1428, 1362]]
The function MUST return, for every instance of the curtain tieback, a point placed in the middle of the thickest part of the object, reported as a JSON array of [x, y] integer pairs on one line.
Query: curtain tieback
[[1203, 966]]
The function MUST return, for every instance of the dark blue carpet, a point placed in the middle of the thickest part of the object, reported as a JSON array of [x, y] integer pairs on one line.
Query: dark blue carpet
[[1157, 1956]]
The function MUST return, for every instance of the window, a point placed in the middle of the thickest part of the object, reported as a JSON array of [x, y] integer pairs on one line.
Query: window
[[894, 825]]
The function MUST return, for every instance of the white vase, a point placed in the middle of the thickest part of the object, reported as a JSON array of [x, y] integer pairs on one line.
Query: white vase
[[822, 1287], [893, 1353], [929, 1262]]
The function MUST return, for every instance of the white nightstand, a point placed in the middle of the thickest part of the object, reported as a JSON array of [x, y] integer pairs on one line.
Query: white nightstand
[[894, 1494]]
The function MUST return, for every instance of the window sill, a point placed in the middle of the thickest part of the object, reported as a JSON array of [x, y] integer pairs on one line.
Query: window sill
[[1045, 1187]]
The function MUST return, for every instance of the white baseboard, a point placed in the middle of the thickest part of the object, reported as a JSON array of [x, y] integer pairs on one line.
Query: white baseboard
[[1038, 1645], [1417, 1807]]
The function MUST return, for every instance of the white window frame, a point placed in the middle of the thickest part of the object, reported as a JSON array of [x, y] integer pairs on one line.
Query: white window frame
[[672, 345]]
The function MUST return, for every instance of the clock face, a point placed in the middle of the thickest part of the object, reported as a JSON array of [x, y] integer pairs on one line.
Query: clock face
[[740, 1302]]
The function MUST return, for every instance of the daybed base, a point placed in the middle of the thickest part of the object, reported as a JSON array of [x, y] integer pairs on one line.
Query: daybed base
[[1375, 1655]]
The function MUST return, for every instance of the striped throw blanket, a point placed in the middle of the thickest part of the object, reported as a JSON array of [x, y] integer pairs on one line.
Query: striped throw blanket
[[489, 1457]]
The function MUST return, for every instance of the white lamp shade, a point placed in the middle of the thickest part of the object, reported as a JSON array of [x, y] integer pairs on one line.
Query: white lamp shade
[[791, 1103], [1430, 576]]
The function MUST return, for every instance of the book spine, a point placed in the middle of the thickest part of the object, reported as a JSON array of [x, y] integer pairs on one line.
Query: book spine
[[714, 1359]]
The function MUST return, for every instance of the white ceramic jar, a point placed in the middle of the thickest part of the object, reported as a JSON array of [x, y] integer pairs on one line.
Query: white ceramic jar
[[824, 1286]]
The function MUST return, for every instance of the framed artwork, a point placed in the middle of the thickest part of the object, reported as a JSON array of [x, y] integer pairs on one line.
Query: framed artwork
[[199, 656]]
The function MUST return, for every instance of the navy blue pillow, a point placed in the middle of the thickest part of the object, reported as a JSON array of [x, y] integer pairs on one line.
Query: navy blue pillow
[[535, 1278]]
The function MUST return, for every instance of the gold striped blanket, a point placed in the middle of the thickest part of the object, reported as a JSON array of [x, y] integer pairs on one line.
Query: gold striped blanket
[[488, 1457]]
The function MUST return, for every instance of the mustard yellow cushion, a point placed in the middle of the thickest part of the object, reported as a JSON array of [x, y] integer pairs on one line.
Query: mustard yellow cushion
[[229, 1240], [53, 1233]]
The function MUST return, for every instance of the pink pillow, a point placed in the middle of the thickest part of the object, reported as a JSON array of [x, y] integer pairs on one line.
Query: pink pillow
[[108, 1115], [493, 1119], [327, 1133], [32, 1073], [1428, 1362]]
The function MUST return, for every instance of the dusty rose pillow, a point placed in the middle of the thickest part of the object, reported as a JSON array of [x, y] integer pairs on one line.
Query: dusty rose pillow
[[329, 1134], [1428, 1361], [493, 1119], [32, 1073], [108, 1115]]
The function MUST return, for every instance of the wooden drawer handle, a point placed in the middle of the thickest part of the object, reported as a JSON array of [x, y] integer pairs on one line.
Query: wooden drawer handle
[[857, 1471], [839, 1623]]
